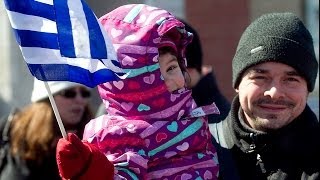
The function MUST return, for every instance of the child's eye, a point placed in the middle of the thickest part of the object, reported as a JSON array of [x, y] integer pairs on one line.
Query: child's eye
[[171, 68]]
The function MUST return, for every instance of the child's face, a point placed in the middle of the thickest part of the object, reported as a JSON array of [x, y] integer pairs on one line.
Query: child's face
[[171, 72]]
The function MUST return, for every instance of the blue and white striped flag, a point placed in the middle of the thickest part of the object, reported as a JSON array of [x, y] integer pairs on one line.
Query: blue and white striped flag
[[62, 40]]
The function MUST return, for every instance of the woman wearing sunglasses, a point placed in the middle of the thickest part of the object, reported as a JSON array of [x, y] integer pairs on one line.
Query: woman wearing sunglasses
[[34, 131]]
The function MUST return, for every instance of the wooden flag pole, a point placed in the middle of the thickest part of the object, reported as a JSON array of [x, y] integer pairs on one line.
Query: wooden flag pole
[[55, 110]]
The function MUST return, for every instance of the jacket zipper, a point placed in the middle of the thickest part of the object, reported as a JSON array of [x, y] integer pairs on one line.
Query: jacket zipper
[[252, 148]]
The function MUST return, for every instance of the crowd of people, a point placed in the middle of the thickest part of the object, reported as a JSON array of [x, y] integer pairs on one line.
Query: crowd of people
[[168, 119]]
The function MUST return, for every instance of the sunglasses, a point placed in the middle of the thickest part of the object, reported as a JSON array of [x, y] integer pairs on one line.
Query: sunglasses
[[71, 93]]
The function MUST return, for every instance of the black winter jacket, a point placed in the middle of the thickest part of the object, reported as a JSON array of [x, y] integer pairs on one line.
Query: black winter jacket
[[292, 152]]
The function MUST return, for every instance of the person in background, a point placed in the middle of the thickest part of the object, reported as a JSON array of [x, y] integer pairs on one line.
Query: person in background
[[271, 132], [34, 131], [204, 87], [153, 129]]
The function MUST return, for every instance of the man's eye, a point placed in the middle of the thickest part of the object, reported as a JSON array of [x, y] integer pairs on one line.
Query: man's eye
[[258, 77], [292, 79]]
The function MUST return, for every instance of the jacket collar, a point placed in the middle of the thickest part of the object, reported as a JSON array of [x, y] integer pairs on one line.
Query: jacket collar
[[250, 140]]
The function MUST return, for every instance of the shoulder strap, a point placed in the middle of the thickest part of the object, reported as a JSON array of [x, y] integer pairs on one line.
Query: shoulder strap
[[5, 133], [221, 133], [4, 141], [223, 142]]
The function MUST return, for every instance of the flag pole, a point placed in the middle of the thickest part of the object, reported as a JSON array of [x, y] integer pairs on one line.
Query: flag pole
[[55, 110]]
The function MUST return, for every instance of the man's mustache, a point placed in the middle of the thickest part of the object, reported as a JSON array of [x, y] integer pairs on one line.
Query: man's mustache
[[289, 104]]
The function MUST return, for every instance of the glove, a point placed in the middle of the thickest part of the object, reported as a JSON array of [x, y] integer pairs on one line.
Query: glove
[[81, 160]]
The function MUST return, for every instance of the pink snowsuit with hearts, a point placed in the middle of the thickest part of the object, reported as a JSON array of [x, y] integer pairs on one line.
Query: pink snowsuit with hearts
[[150, 133]]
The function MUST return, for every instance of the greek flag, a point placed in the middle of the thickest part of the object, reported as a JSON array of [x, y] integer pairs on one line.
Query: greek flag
[[62, 40]]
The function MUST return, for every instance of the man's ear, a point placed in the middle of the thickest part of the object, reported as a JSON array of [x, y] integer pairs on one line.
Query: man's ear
[[237, 90]]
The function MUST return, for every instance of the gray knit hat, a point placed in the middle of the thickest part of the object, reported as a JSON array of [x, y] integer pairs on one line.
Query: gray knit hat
[[276, 37]]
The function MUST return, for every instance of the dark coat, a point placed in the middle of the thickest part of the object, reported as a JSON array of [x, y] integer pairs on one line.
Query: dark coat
[[292, 152], [18, 170], [206, 92]]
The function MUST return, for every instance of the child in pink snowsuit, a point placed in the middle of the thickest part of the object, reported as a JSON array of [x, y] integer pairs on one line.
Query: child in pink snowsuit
[[152, 129]]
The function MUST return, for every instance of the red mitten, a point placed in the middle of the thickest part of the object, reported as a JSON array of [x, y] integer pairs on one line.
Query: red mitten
[[81, 160]]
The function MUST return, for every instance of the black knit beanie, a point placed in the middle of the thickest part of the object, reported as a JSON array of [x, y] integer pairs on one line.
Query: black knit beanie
[[193, 50], [276, 37]]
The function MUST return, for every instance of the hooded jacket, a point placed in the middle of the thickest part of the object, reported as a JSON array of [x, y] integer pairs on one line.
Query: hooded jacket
[[148, 132], [291, 152]]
